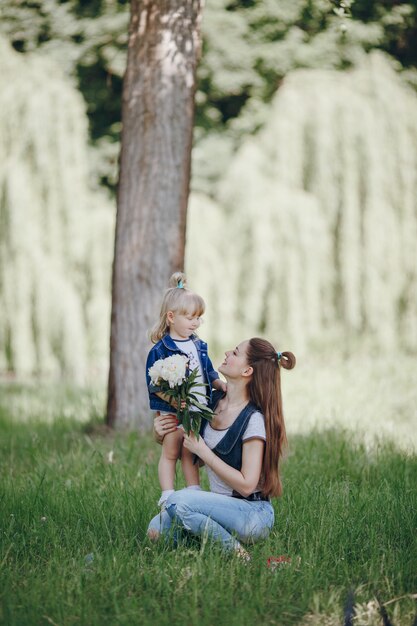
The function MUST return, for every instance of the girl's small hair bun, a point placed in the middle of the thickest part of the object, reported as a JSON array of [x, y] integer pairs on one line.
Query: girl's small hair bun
[[178, 279], [287, 360]]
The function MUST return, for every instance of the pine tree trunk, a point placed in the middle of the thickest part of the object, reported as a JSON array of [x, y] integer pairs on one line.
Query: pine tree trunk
[[157, 115]]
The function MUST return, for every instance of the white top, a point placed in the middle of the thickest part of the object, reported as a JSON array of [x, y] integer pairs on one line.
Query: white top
[[189, 348], [254, 430]]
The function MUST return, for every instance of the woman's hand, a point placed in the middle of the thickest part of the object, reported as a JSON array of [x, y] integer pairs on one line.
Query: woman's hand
[[196, 446], [164, 424]]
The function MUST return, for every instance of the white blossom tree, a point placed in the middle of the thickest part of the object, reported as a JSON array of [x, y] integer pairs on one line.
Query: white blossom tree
[[55, 231], [315, 223]]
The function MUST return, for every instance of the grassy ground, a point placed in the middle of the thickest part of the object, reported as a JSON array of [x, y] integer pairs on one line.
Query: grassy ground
[[75, 502]]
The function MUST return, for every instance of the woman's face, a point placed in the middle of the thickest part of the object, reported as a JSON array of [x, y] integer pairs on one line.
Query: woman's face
[[235, 363]]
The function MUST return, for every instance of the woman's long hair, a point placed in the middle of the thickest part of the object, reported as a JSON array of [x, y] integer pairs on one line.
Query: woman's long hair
[[178, 299], [265, 392]]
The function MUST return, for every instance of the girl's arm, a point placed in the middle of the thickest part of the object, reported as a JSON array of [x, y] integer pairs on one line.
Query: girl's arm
[[219, 384], [244, 480], [214, 378], [164, 397], [169, 400], [154, 356]]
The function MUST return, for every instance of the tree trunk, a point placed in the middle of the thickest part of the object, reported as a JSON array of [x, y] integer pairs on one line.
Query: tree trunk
[[157, 115]]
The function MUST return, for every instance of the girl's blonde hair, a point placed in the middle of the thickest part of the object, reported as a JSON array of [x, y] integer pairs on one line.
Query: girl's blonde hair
[[177, 299]]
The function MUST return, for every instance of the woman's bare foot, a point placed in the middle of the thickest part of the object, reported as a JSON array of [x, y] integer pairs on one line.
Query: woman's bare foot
[[242, 554], [153, 534]]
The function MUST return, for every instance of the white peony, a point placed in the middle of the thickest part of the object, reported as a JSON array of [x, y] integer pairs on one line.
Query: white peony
[[172, 370]]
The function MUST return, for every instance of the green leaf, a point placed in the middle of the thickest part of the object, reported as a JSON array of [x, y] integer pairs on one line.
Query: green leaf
[[186, 421], [202, 407], [196, 424]]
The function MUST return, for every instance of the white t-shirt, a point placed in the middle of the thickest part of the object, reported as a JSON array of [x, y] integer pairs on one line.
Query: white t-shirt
[[254, 429], [189, 348]]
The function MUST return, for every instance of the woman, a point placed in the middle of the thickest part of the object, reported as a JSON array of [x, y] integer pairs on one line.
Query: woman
[[241, 450]]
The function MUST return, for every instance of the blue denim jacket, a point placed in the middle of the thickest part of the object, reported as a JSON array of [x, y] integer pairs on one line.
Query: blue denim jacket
[[166, 347], [230, 447]]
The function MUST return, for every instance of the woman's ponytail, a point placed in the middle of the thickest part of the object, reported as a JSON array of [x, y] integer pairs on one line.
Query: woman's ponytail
[[287, 360], [265, 392]]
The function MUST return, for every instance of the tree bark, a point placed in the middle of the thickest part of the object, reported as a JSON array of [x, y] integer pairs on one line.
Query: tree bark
[[155, 161]]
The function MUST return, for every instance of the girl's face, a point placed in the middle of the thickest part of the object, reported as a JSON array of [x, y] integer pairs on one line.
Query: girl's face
[[235, 364], [182, 326]]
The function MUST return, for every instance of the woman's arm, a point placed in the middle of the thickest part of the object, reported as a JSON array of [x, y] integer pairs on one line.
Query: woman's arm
[[244, 481], [162, 425]]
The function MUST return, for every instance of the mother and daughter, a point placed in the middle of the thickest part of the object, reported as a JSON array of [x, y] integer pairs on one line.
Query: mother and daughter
[[241, 447]]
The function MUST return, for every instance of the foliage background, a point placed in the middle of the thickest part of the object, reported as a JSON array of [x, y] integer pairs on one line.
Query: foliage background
[[304, 176], [249, 48]]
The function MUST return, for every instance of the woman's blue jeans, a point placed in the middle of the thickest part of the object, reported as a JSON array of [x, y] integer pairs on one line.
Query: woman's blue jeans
[[222, 518]]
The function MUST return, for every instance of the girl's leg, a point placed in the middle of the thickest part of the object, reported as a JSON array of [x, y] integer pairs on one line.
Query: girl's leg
[[171, 449], [190, 471], [223, 518]]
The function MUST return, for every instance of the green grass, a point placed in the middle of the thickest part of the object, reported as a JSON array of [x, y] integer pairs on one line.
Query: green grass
[[74, 550]]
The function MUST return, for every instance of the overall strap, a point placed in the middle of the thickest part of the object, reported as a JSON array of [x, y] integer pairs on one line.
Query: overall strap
[[236, 430]]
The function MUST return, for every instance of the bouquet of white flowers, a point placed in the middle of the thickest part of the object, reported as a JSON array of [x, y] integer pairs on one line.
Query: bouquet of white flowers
[[172, 378]]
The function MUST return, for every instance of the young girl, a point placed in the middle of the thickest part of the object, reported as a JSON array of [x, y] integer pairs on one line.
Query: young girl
[[179, 319]]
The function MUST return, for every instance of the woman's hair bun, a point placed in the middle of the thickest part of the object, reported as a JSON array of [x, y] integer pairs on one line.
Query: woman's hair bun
[[178, 278], [288, 360]]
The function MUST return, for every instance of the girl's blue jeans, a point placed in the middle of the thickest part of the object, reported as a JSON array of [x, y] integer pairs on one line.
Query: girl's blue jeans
[[222, 518]]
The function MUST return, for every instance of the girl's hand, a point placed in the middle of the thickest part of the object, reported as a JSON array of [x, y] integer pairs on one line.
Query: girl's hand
[[220, 385], [175, 404], [196, 446], [164, 424]]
